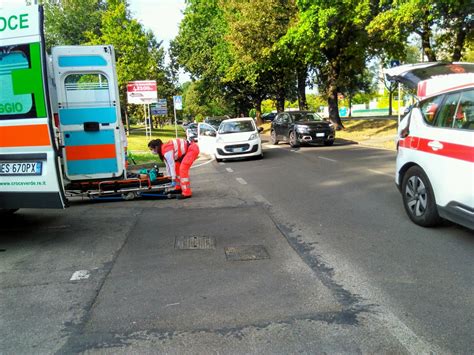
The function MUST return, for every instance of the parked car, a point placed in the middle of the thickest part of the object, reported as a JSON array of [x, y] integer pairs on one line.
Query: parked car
[[435, 159], [215, 121], [301, 127], [191, 132], [269, 116], [238, 138]]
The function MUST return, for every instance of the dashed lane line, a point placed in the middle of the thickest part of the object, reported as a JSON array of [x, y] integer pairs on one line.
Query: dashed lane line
[[229, 170], [80, 275], [379, 172], [241, 181], [328, 159]]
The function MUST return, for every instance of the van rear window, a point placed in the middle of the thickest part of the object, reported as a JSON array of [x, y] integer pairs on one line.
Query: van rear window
[[21, 85]]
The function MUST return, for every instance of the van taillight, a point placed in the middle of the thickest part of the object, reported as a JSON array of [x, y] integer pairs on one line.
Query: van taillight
[[56, 120]]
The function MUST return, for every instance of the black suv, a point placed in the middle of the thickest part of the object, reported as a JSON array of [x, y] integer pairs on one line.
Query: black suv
[[302, 127]]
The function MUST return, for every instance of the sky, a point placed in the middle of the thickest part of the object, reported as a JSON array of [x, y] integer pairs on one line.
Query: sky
[[162, 17]]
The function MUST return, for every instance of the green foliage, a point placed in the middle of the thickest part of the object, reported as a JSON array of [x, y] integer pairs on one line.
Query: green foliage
[[139, 56], [444, 27], [68, 21]]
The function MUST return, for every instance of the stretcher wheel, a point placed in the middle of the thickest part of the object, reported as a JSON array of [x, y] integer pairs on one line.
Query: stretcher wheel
[[129, 196]]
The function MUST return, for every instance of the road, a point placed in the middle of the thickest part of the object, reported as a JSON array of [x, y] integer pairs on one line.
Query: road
[[329, 263]]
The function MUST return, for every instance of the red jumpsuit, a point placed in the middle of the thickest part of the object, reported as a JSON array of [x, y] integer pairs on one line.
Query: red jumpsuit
[[179, 155]]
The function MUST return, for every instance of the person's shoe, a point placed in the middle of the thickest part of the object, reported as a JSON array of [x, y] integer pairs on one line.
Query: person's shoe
[[182, 197]]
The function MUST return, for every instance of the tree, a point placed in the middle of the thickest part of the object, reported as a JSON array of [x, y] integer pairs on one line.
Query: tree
[[138, 54], [334, 39], [443, 25], [255, 27], [68, 21]]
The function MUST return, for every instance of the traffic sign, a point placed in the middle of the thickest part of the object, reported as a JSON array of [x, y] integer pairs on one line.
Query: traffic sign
[[159, 108], [178, 102], [142, 92]]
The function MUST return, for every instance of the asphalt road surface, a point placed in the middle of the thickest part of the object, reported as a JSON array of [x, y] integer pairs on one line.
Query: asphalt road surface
[[306, 251]]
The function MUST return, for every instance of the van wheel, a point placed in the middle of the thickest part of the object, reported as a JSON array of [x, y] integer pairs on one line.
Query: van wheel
[[418, 198], [329, 142]]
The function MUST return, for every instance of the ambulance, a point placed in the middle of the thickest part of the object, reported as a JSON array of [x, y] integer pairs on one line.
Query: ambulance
[[61, 132], [435, 158]]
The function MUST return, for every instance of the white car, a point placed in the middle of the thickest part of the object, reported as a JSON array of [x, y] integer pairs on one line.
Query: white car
[[435, 160], [238, 138]]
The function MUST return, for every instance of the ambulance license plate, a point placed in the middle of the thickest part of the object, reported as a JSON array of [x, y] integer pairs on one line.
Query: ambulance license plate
[[23, 168]]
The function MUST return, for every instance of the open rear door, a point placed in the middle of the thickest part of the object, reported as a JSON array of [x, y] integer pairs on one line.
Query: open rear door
[[89, 112], [30, 174], [207, 138]]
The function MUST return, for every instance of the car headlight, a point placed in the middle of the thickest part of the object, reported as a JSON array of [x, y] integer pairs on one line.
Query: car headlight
[[302, 129], [253, 136]]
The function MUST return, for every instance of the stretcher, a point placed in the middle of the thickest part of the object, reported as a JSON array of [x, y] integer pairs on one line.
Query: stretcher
[[123, 189]]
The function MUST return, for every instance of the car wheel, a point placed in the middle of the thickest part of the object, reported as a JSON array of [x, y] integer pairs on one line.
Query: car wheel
[[273, 137], [418, 198], [329, 142], [293, 140]]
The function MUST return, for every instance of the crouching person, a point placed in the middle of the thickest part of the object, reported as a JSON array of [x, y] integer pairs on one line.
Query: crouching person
[[178, 155]]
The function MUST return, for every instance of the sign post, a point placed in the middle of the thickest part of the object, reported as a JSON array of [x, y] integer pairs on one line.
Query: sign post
[[177, 105], [143, 93]]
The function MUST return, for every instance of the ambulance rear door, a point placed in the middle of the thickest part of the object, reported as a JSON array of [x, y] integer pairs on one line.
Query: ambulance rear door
[[30, 175], [89, 112]]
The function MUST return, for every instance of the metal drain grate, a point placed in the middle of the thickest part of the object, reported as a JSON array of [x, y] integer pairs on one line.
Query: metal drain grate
[[195, 243], [246, 253]]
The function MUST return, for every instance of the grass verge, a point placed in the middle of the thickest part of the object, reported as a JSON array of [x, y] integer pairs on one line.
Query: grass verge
[[138, 143]]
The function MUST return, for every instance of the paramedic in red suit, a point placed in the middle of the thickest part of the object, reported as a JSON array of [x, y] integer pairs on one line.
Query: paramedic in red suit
[[178, 155]]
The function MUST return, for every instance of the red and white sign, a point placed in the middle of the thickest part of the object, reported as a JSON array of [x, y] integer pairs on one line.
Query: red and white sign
[[142, 92]]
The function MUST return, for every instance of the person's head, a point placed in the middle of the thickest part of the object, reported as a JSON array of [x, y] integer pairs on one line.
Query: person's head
[[155, 147]]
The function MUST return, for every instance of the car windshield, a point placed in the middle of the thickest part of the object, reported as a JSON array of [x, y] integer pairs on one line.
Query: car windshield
[[214, 122], [306, 116], [236, 127]]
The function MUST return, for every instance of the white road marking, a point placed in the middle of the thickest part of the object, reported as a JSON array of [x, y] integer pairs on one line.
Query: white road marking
[[207, 162], [172, 304], [229, 170], [406, 336], [380, 172], [328, 159], [241, 181], [271, 146], [262, 199], [80, 275]]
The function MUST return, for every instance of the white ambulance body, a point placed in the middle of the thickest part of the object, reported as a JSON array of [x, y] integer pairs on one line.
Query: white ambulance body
[[38, 158]]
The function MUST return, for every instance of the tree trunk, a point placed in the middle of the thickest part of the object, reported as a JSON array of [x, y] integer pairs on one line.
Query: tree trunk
[[390, 96], [258, 111], [280, 100], [458, 44], [302, 74], [334, 107], [425, 42], [350, 105]]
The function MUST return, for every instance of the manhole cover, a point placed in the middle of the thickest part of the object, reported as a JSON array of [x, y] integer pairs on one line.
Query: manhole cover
[[195, 243], [246, 253]]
